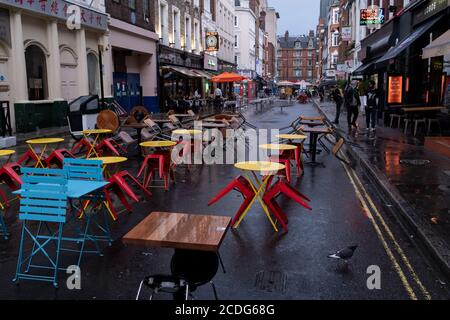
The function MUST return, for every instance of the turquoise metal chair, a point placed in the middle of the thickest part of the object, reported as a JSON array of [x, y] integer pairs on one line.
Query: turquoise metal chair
[[89, 170], [43, 205]]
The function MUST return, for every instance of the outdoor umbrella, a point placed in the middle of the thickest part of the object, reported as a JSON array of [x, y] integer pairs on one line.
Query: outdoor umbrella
[[285, 83], [228, 77]]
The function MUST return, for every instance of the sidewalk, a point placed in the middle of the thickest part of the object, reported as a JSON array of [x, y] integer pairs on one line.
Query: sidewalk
[[418, 191]]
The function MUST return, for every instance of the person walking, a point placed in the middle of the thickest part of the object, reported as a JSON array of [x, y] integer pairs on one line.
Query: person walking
[[372, 106], [217, 98], [338, 99], [353, 103]]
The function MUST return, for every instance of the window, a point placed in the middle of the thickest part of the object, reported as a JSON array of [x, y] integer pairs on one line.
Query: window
[[335, 16], [297, 54], [93, 73], [298, 44], [36, 73], [334, 58], [236, 24], [297, 72], [236, 60], [297, 63], [145, 10], [132, 4], [309, 73], [236, 41], [335, 39]]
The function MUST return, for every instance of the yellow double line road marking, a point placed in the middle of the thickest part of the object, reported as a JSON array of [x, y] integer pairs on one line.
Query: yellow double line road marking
[[369, 206]]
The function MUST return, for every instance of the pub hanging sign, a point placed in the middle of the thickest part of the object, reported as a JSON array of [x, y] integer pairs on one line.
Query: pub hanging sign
[[372, 16]]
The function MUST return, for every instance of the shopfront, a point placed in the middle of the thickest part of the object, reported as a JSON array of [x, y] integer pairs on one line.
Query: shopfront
[[45, 62], [134, 70], [178, 77]]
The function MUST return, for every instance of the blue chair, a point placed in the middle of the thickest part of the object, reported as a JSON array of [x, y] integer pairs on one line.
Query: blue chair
[[43, 200], [89, 170]]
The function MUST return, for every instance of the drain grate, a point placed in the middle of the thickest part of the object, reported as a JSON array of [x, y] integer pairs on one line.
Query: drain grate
[[415, 162], [271, 281]]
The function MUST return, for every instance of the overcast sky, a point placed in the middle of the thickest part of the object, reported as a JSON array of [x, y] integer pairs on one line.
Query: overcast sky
[[297, 16]]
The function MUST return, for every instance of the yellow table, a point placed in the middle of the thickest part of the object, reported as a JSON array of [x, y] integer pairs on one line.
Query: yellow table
[[96, 133], [7, 153], [158, 144], [278, 147], [267, 169], [44, 142], [109, 161], [191, 132]]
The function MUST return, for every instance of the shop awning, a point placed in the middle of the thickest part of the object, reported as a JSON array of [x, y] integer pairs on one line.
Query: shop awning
[[365, 68], [184, 71], [402, 46], [202, 74], [439, 47]]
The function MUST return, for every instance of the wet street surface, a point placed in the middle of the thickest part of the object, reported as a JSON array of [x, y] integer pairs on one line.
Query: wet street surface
[[416, 176], [260, 264]]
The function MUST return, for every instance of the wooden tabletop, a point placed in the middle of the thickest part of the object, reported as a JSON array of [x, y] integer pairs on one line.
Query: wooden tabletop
[[315, 129], [180, 231], [420, 109]]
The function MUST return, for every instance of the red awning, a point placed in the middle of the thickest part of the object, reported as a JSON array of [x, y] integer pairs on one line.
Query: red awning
[[228, 77]]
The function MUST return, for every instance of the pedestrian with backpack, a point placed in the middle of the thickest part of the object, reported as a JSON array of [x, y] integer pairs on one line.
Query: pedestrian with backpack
[[353, 103]]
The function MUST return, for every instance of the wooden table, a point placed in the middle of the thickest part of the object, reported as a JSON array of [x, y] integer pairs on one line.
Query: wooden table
[[313, 136], [180, 231]]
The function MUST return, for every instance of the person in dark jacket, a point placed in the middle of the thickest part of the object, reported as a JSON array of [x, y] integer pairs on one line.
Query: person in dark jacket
[[372, 106], [352, 102], [338, 99]]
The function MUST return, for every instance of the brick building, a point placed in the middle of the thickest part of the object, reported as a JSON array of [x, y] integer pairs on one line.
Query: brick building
[[297, 57]]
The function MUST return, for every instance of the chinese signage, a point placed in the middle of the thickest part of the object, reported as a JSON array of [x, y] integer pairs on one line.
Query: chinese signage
[[371, 16], [431, 8], [212, 41], [61, 9], [346, 33], [210, 62], [395, 90]]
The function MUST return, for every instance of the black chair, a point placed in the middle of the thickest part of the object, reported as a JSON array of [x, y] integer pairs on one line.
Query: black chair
[[197, 267], [170, 284]]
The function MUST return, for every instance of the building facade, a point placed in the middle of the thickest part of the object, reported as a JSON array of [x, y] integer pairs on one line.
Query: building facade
[[49, 56], [178, 25], [297, 57], [245, 39], [271, 28], [132, 61]]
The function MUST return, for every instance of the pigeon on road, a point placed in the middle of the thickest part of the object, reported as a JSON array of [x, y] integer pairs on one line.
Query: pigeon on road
[[344, 254]]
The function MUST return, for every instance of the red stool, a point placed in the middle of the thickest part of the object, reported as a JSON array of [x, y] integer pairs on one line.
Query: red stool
[[297, 156], [283, 187], [241, 185], [286, 160], [160, 162], [10, 175], [27, 157], [120, 187], [107, 146], [57, 157], [82, 144]]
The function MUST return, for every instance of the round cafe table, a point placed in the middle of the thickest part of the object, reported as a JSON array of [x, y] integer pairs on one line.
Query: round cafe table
[[97, 133], [7, 153], [266, 169], [44, 142], [109, 161], [277, 147], [191, 132]]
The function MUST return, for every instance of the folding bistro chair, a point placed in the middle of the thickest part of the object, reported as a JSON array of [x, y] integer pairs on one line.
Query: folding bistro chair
[[43, 200], [90, 170]]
